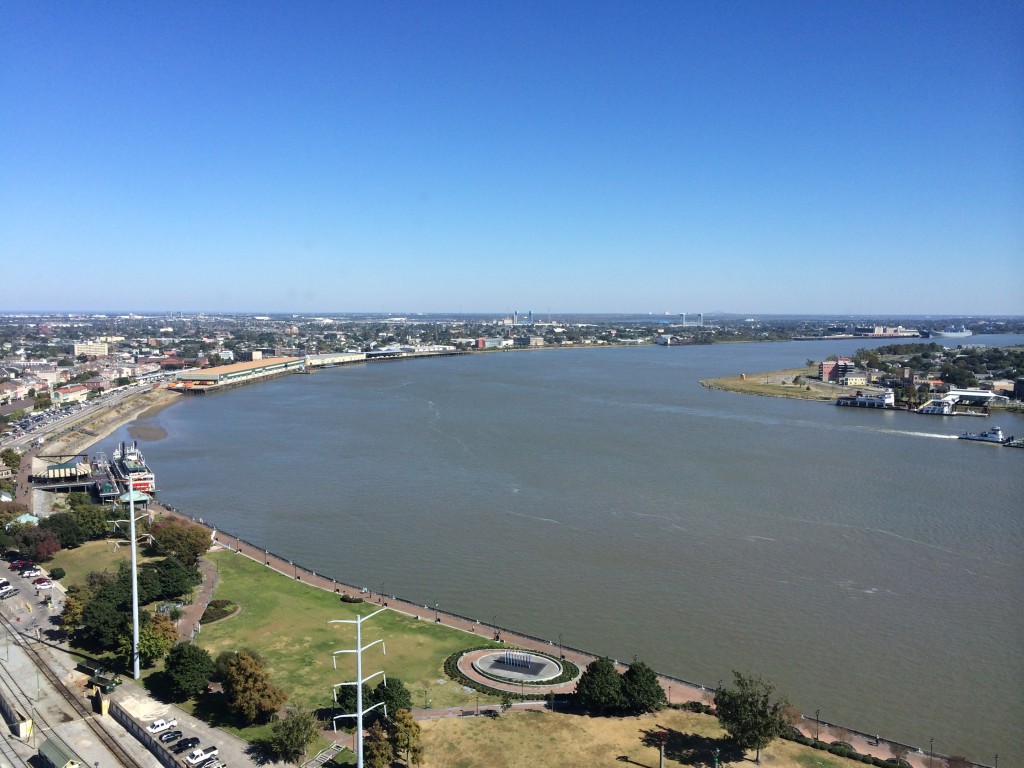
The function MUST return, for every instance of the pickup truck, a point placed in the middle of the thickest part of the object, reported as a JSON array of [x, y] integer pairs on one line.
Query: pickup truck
[[159, 726]]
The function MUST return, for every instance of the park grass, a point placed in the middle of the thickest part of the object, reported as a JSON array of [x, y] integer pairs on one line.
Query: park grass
[[777, 384], [288, 623], [101, 555], [533, 738]]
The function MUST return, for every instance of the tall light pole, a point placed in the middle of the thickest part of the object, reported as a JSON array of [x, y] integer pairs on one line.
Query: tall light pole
[[360, 680], [437, 619], [135, 578], [817, 723]]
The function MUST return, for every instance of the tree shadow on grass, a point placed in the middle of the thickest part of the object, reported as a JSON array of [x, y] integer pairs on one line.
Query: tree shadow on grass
[[260, 752], [690, 748]]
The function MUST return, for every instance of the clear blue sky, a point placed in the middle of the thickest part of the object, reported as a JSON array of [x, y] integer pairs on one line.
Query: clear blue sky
[[788, 157]]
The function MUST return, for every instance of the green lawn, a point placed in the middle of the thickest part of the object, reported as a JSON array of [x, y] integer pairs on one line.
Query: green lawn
[[288, 623], [91, 556]]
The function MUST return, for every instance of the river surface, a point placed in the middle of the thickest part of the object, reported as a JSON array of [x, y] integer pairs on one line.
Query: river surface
[[868, 562]]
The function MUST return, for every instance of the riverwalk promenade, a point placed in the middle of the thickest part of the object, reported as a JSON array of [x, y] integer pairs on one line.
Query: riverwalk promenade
[[677, 691]]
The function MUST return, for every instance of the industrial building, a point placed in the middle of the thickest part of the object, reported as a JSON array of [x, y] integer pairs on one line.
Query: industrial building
[[224, 376]]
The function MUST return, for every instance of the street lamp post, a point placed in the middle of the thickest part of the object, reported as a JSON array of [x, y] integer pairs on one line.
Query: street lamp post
[[661, 736], [437, 618], [931, 751], [561, 653]]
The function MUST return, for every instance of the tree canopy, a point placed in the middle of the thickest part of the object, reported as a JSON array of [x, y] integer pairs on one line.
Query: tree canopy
[[599, 690], [250, 693], [188, 669], [185, 541], [748, 714], [641, 690], [293, 733]]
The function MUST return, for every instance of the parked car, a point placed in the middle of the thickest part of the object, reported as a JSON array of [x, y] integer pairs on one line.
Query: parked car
[[9, 592], [168, 736], [202, 754], [185, 745], [28, 573], [42, 584], [4, 583], [159, 726]]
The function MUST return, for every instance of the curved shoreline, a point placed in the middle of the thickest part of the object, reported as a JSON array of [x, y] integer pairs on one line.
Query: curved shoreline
[[107, 423]]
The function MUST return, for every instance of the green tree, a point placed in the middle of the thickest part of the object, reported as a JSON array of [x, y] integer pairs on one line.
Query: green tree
[[250, 693], [506, 701], [157, 635], [66, 528], [77, 597], [405, 735], [394, 695], [93, 521], [171, 578], [641, 689], [185, 541], [11, 458], [599, 690], [377, 749], [293, 733], [188, 669], [748, 714], [103, 620]]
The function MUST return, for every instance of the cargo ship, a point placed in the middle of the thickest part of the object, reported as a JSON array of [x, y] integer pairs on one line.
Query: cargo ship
[[950, 332], [129, 467]]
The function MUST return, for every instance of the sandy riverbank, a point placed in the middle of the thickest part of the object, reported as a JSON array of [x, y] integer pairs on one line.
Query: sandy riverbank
[[90, 430]]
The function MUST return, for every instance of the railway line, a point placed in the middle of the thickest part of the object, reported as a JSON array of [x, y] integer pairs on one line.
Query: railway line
[[14, 690]]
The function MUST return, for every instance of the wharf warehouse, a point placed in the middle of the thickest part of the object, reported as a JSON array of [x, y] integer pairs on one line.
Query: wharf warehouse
[[235, 374]]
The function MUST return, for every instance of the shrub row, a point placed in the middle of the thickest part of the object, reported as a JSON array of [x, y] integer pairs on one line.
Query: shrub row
[[216, 610], [844, 750]]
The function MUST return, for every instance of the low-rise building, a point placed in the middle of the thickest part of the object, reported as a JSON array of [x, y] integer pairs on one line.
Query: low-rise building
[[76, 393]]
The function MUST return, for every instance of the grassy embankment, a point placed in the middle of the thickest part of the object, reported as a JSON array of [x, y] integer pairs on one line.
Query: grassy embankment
[[778, 384], [287, 622]]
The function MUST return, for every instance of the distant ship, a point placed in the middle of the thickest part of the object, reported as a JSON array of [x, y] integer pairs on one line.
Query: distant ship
[[948, 333], [129, 466]]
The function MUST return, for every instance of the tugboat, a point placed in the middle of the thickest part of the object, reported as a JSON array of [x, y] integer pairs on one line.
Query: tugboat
[[993, 435]]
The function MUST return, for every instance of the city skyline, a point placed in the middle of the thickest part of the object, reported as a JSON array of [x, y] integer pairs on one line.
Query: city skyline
[[778, 158]]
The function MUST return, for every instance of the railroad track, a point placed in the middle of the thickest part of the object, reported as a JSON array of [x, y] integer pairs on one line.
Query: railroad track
[[86, 715]]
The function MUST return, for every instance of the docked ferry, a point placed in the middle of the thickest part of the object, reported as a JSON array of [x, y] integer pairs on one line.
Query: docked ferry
[[129, 466], [886, 399]]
